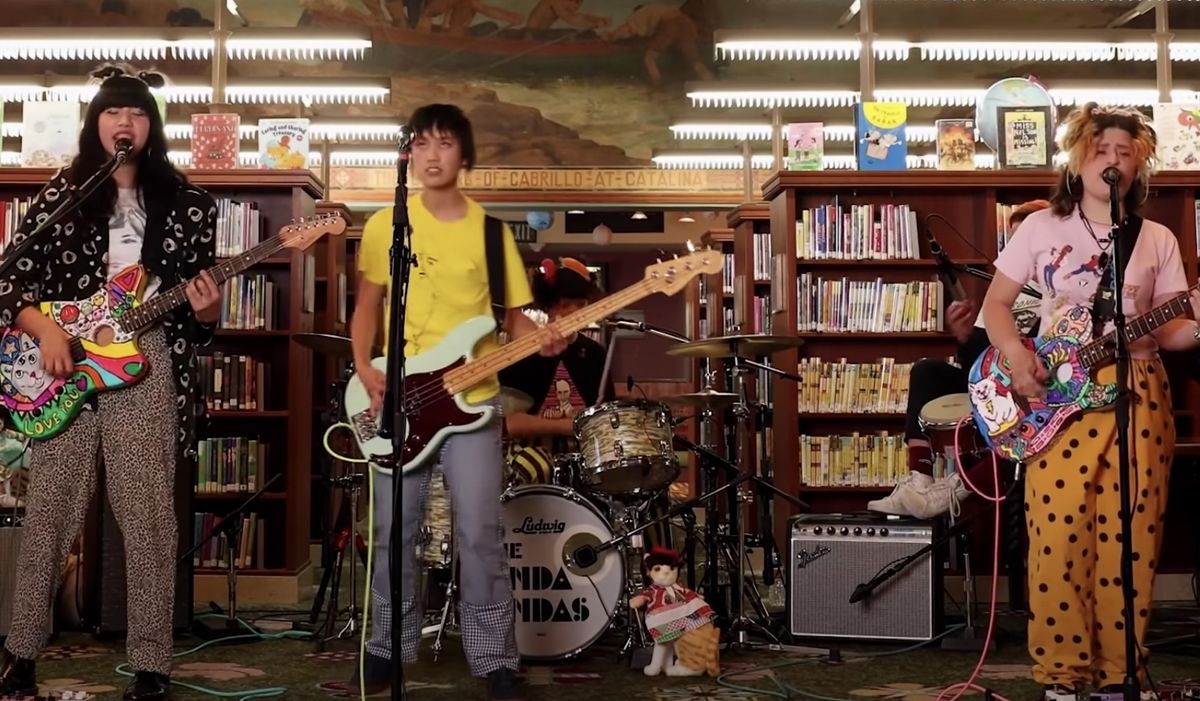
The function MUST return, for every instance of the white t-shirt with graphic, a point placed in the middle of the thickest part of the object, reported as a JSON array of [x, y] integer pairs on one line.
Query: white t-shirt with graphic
[[126, 232]]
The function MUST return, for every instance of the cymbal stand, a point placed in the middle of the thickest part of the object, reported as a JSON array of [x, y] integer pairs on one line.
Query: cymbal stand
[[347, 543], [625, 521], [449, 556], [707, 478]]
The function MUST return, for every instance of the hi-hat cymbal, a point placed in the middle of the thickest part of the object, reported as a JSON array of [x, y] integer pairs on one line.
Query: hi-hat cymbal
[[704, 398], [729, 346], [514, 401], [329, 344]]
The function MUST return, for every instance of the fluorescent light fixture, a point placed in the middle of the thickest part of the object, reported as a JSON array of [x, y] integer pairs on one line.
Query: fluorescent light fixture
[[306, 91], [762, 132], [574, 211], [983, 161], [340, 130], [122, 44], [716, 96]]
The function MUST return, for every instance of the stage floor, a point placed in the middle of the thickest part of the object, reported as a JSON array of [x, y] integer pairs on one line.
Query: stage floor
[[81, 662]]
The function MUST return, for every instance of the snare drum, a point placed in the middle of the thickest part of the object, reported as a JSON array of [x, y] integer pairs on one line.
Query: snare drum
[[627, 447], [562, 608]]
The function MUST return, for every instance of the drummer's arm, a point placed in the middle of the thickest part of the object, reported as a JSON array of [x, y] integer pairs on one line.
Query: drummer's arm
[[524, 425]]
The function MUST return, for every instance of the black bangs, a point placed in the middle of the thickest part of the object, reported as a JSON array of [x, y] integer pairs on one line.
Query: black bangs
[[123, 91]]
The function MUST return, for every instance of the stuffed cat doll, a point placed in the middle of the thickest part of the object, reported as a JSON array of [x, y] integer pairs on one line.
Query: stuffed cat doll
[[679, 621]]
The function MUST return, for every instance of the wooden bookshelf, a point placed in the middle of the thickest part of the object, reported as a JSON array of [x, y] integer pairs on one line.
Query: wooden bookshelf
[[285, 423], [968, 200]]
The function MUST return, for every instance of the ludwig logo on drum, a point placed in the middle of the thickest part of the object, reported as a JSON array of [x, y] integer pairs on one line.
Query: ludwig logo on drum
[[540, 526]]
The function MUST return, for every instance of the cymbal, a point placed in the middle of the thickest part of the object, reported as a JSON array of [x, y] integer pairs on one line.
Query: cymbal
[[704, 398], [514, 401], [329, 344], [728, 346]]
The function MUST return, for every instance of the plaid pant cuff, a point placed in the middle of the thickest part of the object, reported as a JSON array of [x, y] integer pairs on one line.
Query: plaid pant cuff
[[380, 643], [489, 637]]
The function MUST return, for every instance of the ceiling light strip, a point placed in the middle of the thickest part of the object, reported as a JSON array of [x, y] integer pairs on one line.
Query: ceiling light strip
[[762, 132]]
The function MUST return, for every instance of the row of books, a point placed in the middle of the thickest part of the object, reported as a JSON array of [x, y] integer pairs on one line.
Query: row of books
[[762, 256], [870, 306], [234, 464], [252, 542], [249, 302], [727, 278], [842, 387], [239, 227], [855, 460], [234, 382], [12, 212], [857, 232]]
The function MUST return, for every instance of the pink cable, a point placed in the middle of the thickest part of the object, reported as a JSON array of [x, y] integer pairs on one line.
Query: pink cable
[[996, 499]]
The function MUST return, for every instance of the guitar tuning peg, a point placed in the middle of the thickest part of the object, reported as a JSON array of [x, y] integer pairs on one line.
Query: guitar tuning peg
[[676, 256]]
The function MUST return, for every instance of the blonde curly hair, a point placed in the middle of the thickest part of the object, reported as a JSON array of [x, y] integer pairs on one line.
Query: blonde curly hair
[[1080, 132]]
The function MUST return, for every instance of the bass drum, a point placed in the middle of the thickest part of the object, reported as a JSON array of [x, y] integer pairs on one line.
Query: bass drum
[[562, 609]]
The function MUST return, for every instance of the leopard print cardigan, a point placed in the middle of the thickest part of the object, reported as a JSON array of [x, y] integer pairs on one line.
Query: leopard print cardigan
[[70, 262]]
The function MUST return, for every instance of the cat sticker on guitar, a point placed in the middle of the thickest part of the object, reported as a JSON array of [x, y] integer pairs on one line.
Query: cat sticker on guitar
[[104, 328]]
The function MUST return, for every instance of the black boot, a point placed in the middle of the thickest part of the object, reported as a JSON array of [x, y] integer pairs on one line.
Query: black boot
[[148, 686], [17, 676]]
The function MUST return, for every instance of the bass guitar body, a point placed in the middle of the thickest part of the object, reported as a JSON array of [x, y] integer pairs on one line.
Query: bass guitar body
[[431, 413], [1019, 428], [106, 358]]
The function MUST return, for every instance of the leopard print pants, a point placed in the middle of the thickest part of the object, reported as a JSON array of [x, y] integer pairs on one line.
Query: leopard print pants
[[135, 428]]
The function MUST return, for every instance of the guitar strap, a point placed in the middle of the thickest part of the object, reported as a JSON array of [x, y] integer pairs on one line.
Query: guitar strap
[[493, 250], [1104, 303]]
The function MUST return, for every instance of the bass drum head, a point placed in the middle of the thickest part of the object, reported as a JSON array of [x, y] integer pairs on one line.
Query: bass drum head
[[562, 609]]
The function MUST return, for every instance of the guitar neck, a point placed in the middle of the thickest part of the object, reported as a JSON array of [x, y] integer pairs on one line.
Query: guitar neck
[[1103, 349], [471, 374], [146, 314]]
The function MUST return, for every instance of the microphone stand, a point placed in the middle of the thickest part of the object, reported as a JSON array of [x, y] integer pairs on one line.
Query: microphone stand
[[984, 275], [395, 403], [73, 198], [1131, 685]]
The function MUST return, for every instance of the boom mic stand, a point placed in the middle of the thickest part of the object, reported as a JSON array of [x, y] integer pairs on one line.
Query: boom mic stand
[[1131, 685], [231, 528], [393, 420]]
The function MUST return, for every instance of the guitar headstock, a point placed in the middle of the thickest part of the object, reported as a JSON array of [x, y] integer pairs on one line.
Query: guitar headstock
[[671, 276], [304, 233]]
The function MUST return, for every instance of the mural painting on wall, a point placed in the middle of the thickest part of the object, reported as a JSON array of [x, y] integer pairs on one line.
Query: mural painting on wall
[[546, 82]]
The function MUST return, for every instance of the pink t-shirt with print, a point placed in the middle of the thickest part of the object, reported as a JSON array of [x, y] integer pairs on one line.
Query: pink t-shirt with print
[[1061, 257]]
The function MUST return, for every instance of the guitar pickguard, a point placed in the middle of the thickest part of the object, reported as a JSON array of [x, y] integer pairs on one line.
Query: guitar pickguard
[[41, 406], [1020, 428]]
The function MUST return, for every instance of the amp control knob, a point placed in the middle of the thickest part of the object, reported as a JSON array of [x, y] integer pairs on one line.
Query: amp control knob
[[883, 532], [857, 531], [870, 531]]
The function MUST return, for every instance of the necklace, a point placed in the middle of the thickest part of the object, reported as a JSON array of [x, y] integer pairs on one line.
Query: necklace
[[1105, 244]]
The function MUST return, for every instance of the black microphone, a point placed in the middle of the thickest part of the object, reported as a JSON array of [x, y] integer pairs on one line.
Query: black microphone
[[405, 141], [584, 556], [860, 593], [946, 271], [1111, 175], [124, 147], [629, 383]]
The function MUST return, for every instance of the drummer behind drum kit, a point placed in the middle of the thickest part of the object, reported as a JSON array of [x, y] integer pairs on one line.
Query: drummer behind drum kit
[[575, 545]]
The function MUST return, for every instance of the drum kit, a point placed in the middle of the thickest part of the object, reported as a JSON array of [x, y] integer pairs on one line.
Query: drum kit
[[575, 543]]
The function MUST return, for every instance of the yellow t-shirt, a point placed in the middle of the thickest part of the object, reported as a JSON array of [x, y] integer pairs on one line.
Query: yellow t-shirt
[[449, 284]]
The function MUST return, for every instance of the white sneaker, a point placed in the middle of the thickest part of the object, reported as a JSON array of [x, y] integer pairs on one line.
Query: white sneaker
[[893, 503], [940, 497]]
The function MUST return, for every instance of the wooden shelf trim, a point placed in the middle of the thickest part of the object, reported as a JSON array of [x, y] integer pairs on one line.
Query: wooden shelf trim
[[878, 263], [241, 178], [751, 211], [238, 496]]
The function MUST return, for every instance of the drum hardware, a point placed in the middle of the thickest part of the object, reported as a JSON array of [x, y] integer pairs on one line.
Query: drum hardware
[[330, 345], [346, 543]]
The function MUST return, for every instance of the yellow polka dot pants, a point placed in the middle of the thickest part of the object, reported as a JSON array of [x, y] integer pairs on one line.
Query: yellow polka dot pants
[[1072, 494]]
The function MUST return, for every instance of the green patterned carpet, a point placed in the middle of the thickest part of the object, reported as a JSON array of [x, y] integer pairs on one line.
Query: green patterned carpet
[[80, 662]]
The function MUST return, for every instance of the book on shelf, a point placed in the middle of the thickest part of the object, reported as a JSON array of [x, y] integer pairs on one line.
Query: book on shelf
[[12, 213], [867, 306], [854, 460], [1177, 126], [215, 140], [806, 146], [955, 144], [727, 274], [232, 464], [49, 133], [762, 256], [239, 227], [842, 387], [283, 143], [857, 232], [881, 143], [249, 302], [215, 552], [233, 382]]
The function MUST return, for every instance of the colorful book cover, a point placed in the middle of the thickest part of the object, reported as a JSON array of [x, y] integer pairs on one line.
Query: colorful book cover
[[1177, 126], [1025, 139], [215, 141], [283, 143], [49, 133], [955, 144], [806, 146], [881, 143]]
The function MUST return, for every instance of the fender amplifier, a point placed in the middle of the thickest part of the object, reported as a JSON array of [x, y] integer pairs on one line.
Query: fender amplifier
[[10, 545], [831, 555]]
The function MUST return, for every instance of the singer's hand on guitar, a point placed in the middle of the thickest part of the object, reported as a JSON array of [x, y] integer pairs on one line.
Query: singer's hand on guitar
[[1029, 376], [960, 319], [375, 382], [205, 297], [56, 354], [1194, 298]]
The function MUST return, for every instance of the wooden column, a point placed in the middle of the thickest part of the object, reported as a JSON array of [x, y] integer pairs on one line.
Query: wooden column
[[1162, 38], [866, 57], [220, 58]]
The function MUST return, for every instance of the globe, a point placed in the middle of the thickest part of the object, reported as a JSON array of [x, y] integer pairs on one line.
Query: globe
[[540, 221], [1010, 92]]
